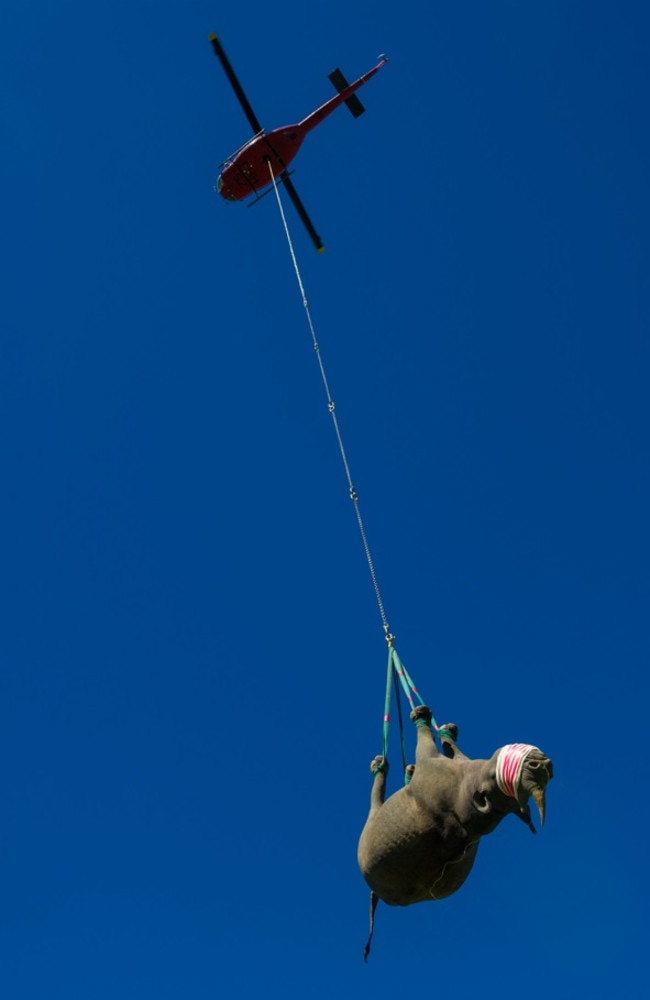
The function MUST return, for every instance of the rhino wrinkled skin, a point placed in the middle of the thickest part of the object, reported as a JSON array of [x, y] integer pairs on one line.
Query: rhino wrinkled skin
[[420, 843]]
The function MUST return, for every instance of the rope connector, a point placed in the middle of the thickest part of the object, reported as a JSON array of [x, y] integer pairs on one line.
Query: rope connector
[[331, 406], [353, 495], [388, 635]]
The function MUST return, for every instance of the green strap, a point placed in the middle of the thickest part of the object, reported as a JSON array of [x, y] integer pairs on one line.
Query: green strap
[[398, 676], [389, 677], [405, 680], [401, 723]]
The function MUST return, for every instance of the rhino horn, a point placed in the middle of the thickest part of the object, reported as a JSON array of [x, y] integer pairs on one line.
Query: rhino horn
[[536, 773], [539, 796]]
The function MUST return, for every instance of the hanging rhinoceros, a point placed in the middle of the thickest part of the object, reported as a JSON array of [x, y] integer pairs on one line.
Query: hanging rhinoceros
[[421, 842]]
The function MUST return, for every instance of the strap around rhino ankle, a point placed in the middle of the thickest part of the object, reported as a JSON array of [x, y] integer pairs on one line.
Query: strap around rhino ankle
[[421, 716]]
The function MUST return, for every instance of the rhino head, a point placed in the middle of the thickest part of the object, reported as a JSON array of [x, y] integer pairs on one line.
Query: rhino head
[[522, 772]]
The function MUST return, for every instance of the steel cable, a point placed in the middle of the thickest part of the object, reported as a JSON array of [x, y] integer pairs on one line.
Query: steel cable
[[332, 409]]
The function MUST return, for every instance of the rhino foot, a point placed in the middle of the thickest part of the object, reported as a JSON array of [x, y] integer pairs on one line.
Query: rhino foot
[[378, 764], [448, 735], [421, 712]]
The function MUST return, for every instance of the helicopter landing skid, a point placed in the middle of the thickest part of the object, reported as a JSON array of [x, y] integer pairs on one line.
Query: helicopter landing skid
[[285, 173]]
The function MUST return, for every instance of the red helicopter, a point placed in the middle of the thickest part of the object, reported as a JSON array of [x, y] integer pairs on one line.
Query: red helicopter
[[247, 171]]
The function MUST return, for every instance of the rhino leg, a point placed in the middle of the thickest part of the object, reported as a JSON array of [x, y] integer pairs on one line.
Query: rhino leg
[[378, 768], [448, 734], [426, 745]]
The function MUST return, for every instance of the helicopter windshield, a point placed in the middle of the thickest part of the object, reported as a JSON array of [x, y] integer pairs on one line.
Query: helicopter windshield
[[219, 187]]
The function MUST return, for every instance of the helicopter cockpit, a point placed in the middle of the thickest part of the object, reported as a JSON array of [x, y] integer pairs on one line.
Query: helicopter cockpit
[[219, 185]]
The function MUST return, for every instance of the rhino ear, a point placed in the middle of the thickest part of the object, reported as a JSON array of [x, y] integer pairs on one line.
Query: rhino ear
[[481, 802]]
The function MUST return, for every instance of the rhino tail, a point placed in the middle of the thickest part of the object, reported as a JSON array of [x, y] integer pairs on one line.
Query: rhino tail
[[374, 899]]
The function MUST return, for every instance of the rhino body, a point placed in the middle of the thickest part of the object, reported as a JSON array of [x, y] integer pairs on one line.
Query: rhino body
[[421, 842]]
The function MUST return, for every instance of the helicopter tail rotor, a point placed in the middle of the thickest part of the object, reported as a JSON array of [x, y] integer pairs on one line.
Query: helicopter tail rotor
[[353, 103]]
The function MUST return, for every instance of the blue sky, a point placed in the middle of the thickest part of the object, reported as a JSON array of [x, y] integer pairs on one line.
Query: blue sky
[[192, 661]]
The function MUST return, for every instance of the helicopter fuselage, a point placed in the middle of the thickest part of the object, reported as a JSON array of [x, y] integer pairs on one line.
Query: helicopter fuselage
[[247, 171]]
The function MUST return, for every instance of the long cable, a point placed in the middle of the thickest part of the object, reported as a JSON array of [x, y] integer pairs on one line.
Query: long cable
[[332, 409]]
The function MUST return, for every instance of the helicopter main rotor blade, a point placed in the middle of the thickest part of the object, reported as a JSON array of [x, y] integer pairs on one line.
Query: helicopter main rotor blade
[[302, 212], [235, 84]]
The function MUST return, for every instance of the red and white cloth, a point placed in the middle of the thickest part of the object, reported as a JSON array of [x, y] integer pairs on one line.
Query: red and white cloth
[[509, 763]]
